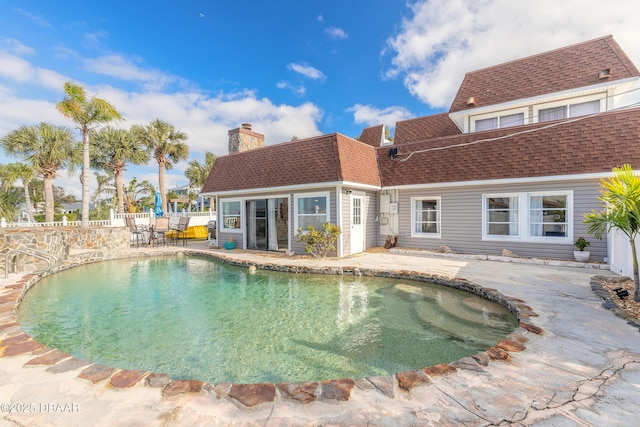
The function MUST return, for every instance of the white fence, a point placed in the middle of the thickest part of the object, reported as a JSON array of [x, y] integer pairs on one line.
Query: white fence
[[620, 257], [117, 220]]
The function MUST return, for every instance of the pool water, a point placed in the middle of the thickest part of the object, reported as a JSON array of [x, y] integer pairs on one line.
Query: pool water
[[195, 318]]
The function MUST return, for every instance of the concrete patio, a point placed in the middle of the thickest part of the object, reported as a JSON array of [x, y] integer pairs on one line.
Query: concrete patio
[[583, 370]]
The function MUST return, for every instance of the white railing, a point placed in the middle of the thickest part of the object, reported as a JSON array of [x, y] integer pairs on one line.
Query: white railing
[[117, 220]]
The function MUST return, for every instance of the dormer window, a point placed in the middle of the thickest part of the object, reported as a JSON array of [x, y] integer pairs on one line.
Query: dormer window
[[499, 122], [569, 110]]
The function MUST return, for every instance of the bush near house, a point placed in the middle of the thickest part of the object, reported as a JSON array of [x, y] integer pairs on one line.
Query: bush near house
[[319, 242]]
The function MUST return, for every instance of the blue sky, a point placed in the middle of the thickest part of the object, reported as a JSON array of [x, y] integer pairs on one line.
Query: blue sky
[[300, 68]]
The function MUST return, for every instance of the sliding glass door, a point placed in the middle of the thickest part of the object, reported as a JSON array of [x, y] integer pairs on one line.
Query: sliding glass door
[[268, 224]]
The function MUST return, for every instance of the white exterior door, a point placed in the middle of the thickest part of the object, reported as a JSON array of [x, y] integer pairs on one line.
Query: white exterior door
[[357, 224]]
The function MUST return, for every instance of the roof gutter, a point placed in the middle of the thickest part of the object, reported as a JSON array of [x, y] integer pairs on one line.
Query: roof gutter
[[300, 187], [554, 178]]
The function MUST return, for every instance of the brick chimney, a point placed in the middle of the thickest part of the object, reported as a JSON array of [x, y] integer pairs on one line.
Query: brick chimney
[[244, 139]]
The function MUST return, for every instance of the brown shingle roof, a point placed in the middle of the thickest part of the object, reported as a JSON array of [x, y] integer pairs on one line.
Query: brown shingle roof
[[372, 136], [589, 145], [328, 158], [570, 67], [435, 126], [358, 162]]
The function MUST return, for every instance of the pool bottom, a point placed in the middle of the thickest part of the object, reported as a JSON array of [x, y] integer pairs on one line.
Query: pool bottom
[[256, 337], [300, 392]]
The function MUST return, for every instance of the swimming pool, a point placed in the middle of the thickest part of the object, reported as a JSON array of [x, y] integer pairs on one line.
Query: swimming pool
[[195, 318]]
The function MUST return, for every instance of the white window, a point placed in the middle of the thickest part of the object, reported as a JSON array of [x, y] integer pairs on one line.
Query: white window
[[487, 124], [512, 120], [231, 215], [493, 121], [542, 217], [502, 217], [548, 215], [584, 108], [563, 109], [555, 113], [425, 217], [312, 209]]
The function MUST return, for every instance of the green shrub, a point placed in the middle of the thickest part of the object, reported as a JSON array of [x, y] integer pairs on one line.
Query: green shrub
[[319, 242]]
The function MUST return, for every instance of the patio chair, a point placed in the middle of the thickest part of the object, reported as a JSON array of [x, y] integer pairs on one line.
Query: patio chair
[[180, 230], [136, 231], [160, 230]]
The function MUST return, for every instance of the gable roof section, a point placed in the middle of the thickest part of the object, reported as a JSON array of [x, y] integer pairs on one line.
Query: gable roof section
[[323, 159], [592, 144], [372, 136], [358, 162], [435, 126], [566, 68]]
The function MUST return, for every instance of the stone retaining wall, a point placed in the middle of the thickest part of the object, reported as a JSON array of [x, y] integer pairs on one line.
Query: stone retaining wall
[[67, 246]]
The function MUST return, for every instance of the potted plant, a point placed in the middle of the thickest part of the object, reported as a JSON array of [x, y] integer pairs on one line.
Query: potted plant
[[581, 255], [230, 244]]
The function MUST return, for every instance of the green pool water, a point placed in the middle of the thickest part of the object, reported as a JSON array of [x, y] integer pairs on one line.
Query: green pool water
[[195, 318]]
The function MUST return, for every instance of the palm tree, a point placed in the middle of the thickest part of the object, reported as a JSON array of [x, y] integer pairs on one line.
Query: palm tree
[[112, 150], [198, 172], [6, 179], [166, 143], [10, 199], [621, 197], [24, 173], [104, 187], [47, 148], [86, 113], [135, 192]]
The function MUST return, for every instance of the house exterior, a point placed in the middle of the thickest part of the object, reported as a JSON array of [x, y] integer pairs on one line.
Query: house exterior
[[514, 164]]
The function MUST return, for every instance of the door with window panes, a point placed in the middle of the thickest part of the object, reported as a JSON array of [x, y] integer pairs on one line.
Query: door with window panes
[[357, 224]]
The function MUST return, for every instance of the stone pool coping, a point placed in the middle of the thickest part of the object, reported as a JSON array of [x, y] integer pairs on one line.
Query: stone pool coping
[[247, 396]]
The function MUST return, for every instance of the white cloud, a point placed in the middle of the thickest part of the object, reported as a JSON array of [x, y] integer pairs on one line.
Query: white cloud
[[25, 112], [51, 79], [336, 33], [40, 20], [94, 37], [15, 68], [371, 116], [298, 90], [17, 48], [205, 119], [307, 71], [446, 38], [121, 68], [21, 71], [63, 52]]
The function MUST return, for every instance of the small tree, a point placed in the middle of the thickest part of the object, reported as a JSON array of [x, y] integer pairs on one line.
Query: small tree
[[319, 242], [621, 197]]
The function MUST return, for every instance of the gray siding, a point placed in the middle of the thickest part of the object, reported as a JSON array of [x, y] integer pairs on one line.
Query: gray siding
[[345, 227], [370, 210], [371, 214], [461, 220]]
